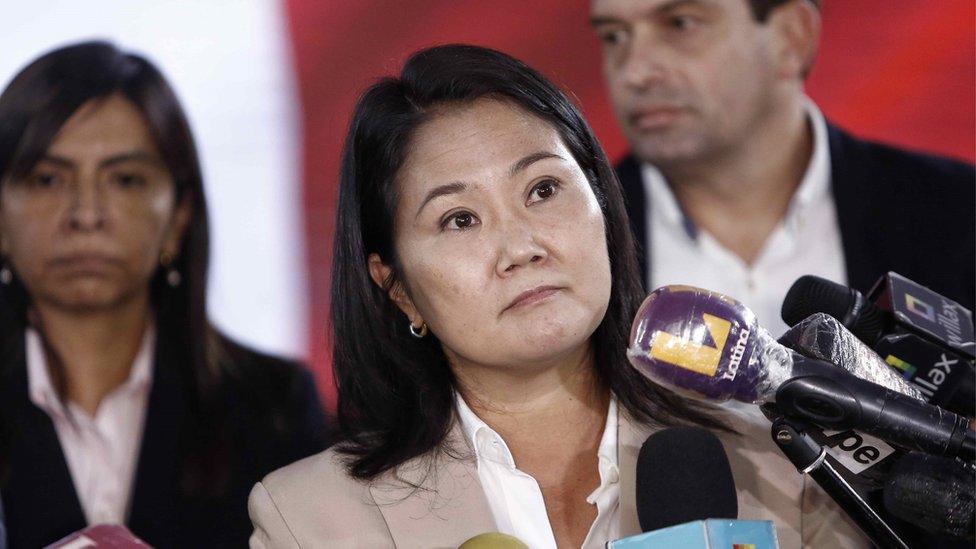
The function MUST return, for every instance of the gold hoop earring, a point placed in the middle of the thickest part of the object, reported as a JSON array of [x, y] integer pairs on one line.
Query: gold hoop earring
[[173, 277], [418, 333]]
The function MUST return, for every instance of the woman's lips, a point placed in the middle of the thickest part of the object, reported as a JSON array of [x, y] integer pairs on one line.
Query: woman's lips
[[85, 263], [533, 296]]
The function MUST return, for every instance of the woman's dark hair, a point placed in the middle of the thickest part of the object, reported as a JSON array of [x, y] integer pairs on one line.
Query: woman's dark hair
[[396, 398], [33, 108]]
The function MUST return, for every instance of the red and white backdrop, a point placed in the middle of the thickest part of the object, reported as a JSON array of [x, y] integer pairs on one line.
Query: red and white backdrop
[[269, 85]]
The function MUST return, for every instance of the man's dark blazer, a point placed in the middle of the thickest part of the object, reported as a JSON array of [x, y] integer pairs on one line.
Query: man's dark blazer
[[898, 211], [39, 497]]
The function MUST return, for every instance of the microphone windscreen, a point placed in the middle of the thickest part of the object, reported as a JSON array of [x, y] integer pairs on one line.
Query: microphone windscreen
[[812, 294], [493, 540], [932, 492], [683, 475], [701, 344]]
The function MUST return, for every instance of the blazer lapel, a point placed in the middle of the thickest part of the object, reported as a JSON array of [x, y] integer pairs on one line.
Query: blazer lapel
[[153, 508], [860, 215], [39, 496], [630, 437], [437, 501]]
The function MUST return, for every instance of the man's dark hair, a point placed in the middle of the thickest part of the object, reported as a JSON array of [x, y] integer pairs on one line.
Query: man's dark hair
[[762, 8], [396, 393]]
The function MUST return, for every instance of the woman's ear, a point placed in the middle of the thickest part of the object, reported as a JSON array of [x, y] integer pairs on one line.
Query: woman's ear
[[382, 275], [178, 224]]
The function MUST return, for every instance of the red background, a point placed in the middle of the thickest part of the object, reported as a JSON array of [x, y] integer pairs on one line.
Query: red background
[[902, 72]]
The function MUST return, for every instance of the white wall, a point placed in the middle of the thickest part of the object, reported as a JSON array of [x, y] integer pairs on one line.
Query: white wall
[[229, 62]]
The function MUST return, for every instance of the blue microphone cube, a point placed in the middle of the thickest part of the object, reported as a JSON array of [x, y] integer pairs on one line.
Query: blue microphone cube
[[705, 534]]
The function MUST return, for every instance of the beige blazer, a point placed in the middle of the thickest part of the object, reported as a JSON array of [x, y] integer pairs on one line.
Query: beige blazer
[[314, 503]]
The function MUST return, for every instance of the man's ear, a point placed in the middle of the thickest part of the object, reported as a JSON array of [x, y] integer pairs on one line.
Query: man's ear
[[796, 35], [382, 275]]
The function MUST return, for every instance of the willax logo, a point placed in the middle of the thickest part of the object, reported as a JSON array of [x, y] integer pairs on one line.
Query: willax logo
[[920, 307], [907, 370]]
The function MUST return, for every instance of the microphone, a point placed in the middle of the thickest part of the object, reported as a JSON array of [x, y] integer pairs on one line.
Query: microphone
[[686, 496], [709, 346], [934, 493], [705, 534], [493, 540], [812, 294], [926, 337], [687, 468]]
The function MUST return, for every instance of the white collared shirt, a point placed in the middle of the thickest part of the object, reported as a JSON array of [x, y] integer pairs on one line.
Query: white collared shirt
[[806, 241], [515, 498], [101, 451]]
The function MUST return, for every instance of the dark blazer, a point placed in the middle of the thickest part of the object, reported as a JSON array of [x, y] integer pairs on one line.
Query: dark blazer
[[898, 211], [274, 417]]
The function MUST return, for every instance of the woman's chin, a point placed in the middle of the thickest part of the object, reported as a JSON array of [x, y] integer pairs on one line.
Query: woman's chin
[[541, 349], [85, 296]]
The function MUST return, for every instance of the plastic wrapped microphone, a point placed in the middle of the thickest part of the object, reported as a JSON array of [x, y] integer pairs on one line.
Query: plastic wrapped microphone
[[926, 338], [709, 346], [824, 337]]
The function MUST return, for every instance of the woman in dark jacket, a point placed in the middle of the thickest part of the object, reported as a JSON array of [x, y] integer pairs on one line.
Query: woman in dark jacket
[[119, 401]]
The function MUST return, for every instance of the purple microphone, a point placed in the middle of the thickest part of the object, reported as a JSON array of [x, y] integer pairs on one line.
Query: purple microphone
[[709, 346], [706, 345]]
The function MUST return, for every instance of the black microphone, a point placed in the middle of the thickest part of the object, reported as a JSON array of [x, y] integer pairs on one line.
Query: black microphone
[[934, 493], [683, 475], [927, 338], [812, 294], [710, 346]]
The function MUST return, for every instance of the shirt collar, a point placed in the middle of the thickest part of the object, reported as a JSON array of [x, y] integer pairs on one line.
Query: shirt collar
[[607, 451], [813, 186], [816, 178], [40, 386], [488, 444]]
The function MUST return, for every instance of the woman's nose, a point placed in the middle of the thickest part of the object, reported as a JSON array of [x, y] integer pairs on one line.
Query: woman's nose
[[519, 247], [86, 209]]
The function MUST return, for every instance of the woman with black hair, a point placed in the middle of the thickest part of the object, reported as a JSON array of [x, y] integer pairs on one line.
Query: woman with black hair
[[483, 287], [119, 402]]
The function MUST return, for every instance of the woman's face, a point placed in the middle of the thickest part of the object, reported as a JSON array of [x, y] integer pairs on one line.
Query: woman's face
[[85, 229], [501, 239]]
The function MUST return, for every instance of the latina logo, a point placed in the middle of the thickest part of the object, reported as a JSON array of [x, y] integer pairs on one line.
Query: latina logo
[[692, 352]]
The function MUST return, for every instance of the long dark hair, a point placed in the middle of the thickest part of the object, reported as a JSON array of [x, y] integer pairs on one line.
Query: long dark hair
[[396, 392], [33, 107]]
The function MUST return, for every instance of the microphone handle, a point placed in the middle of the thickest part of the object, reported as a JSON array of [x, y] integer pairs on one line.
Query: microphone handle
[[833, 398], [810, 458]]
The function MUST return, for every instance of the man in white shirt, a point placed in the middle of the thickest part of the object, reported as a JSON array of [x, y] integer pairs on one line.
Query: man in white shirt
[[735, 181]]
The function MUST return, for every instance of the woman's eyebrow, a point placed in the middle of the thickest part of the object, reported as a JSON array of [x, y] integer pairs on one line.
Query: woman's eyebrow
[[131, 156], [441, 190], [527, 161], [59, 161], [459, 187]]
